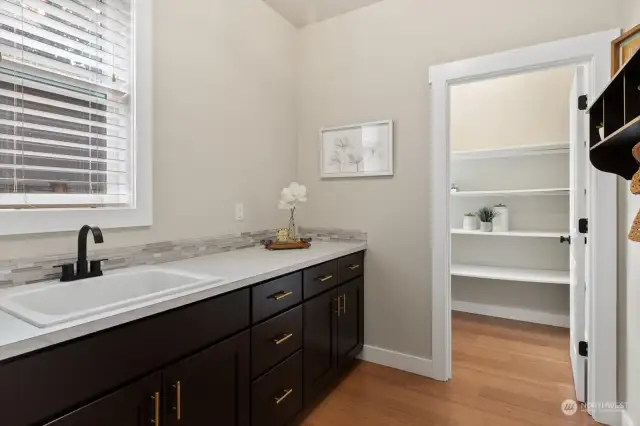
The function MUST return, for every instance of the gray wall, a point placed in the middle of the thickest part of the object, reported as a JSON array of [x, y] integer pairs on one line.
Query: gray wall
[[373, 64]]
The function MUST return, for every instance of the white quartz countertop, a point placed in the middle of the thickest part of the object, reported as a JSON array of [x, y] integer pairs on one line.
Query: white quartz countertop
[[239, 268]]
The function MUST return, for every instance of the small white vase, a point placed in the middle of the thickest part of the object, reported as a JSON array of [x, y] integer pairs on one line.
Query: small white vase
[[601, 133], [470, 223], [486, 226], [501, 221]]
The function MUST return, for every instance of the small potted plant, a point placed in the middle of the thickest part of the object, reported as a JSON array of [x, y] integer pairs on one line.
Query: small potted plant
[[600, 128], [486, 216], [470, 222]]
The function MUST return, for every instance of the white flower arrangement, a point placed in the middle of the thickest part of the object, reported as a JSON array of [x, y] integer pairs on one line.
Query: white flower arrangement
[[290, 198]]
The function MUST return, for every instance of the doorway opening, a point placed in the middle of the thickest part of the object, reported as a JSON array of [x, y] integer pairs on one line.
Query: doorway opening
[[589, 53], [518, 188]]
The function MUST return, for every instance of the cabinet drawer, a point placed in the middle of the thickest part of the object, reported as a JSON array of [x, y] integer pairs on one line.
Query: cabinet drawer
[[277, 397], [276, 296], [320, 278], [274, 340], [350, 267]]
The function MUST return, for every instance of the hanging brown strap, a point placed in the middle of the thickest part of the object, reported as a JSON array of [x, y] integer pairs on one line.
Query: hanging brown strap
[[635, 181]]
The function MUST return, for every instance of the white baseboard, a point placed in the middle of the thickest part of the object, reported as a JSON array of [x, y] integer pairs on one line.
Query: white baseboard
[[398, 360], [626, 419], [518, 314]]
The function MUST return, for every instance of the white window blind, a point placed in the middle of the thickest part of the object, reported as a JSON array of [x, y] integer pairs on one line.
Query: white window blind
[[65, 104]]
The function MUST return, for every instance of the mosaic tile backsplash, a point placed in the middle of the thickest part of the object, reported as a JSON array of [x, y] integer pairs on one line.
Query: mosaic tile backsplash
[[34, 270]]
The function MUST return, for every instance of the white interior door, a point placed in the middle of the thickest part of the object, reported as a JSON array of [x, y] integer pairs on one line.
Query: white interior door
[[578, 246]]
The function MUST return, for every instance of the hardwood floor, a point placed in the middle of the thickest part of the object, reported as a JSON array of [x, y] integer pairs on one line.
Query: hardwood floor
[[505, 373]]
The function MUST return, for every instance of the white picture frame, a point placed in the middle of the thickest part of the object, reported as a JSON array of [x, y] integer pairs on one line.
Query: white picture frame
[[357, 150]]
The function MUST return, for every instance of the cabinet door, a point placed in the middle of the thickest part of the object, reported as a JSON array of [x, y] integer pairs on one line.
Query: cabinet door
[[211, 387], [320, 344], [135, 405], [350, 321]]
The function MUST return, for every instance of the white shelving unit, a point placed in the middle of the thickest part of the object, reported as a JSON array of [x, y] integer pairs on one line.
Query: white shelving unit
[[530, 234], [524, 151], [513, 192], [511, 274], [525, 269]]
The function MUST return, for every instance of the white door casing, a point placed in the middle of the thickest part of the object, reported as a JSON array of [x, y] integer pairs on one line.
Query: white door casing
[[592, 51], [578, 161]]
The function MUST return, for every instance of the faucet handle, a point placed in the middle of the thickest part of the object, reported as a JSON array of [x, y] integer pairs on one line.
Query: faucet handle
[[96, 266], [68, 271]]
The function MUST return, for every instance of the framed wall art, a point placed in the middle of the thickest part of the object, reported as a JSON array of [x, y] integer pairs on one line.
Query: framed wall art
[[357, 150], [623, 48]]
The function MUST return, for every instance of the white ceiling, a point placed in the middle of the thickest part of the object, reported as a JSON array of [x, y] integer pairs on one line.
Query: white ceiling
[[305, 12]]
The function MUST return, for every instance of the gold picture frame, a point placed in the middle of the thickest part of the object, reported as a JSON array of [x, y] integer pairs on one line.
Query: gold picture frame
[[623, 48]]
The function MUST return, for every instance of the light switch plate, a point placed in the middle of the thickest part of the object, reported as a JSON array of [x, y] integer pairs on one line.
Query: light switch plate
[[239, 212]]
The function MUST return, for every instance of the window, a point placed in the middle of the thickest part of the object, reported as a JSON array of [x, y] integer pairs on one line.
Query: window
[[72, 135]]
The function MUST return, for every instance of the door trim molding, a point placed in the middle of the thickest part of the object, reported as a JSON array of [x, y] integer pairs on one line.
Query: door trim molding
[[593, 51], [397, 360]]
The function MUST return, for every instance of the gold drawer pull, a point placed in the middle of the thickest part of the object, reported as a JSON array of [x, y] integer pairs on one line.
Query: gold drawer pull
[[178, 408], [281, 295], [344, 303], [156, 411], [283, 339], [353, 267], [283, 397], [326, 278]]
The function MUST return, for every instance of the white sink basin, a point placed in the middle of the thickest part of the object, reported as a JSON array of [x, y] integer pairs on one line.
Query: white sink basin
[[59, 303]]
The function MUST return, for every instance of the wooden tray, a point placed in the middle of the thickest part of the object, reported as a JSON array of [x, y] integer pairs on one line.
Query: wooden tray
[[274, 245]]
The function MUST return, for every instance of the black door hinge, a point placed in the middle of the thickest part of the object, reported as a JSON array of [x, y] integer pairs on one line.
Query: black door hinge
[[583, 349], [583, 226], [583, 102]]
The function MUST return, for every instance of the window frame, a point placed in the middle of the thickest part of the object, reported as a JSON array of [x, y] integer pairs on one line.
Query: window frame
[[140, 213]]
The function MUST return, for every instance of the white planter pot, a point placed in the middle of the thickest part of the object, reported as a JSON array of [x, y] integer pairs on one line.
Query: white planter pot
[[501, 222], [470, 223], [486, 226], [601, 133]]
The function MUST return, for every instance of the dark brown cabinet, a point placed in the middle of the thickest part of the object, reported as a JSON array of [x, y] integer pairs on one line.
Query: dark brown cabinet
[[135, 405], [211, 387], [350, 321], [277, 396], [333, 335], [320, 326], [253, 357]]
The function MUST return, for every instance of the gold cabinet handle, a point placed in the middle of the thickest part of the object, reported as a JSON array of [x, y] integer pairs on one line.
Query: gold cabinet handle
[[287, 392], [283, 339], [325, 278], [281, 295], [344, 303], [178, 407], [156, 410], [353, 267]]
